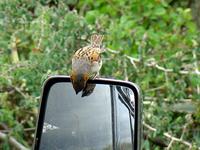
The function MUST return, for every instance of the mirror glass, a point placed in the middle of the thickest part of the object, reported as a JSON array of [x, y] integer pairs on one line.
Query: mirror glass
[[104, 120]]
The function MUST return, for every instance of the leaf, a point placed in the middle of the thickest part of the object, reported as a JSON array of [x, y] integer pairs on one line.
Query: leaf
[[91, 16], [159, 11], [187, 107]]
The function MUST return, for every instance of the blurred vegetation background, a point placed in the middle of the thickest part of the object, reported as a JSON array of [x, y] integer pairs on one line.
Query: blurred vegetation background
[[154, 43]]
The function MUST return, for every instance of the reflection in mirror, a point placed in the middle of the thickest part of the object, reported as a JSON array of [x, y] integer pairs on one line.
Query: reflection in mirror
[[102, 120]]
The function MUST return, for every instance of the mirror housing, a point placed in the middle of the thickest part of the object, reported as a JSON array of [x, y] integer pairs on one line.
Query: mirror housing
[[135, 110]]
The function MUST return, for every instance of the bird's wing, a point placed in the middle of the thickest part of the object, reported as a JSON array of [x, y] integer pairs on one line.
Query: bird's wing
[[89, 53], [88, 57]]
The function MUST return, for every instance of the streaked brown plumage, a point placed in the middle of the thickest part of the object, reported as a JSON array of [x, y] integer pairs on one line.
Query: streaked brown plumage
[[86, 63]]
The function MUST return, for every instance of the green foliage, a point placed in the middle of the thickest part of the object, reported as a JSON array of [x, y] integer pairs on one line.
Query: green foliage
[[153, 43]]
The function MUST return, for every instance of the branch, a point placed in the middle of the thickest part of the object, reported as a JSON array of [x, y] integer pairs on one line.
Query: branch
[[156, 88], [131, 59], [167, 99], [12, 67], [42, 31], [14, 52], [196, 67], [12, 141], [155, 140], [125, 71], [25, 130], [178, 140], [112, 51], [169, 136], [152, 63], [170, 145]]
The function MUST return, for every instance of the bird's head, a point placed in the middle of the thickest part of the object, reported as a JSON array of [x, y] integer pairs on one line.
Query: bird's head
[[79, 81]]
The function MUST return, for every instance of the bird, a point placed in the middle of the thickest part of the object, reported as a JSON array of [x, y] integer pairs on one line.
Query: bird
[[86, 64], [88, 89]]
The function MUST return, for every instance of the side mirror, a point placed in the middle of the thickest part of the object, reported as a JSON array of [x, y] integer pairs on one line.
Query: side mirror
[[109, 118]]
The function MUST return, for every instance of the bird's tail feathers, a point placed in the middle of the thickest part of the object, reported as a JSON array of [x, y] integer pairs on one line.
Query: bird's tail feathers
[[96, 40]]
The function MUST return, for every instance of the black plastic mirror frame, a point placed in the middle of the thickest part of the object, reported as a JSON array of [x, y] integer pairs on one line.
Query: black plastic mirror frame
[[56, 79]]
